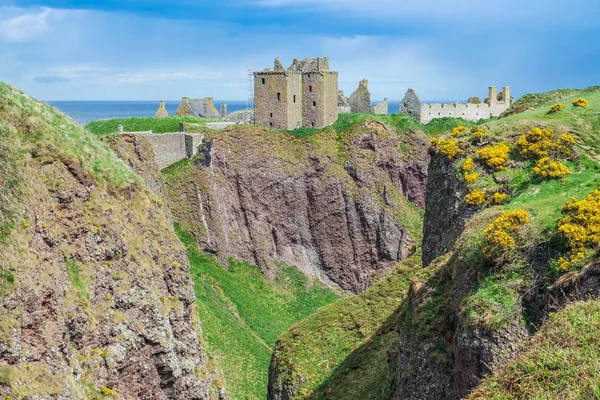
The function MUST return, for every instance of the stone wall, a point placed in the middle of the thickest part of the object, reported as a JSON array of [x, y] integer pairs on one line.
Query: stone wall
[[472, 112], [381, 108], [360, 99], [169, 148]]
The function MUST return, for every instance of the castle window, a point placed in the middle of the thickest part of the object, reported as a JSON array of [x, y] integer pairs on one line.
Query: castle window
[[294, 98], [270, 124], [278, 96], [271, 115], [310, 88], [314, 103], [263, 81]]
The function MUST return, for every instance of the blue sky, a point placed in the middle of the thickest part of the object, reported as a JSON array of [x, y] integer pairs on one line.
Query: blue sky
[[150, 50]]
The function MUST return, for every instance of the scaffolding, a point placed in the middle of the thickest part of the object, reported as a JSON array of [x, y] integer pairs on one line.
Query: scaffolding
[[250, 98]]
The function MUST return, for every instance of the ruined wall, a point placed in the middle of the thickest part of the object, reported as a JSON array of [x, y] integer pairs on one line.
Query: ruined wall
[[360, 99], [470, 112], [295, 105], [330, 98], [381, 108], [169, 148]]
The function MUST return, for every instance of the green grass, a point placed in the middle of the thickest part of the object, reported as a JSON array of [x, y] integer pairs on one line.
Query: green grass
[[337, 352], [534, 100], [242, 314], [138, 124], [494, 304], [74, 273], [562, 361]]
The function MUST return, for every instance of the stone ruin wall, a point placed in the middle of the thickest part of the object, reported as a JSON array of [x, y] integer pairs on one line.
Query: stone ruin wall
[[170, 148], [381, 108], [469, 111], [269, 110]]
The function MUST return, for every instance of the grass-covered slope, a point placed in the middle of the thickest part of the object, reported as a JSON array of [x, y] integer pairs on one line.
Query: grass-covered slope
[[242, 314], [142, 124], [341, 351], [561, 361], [93, 280]]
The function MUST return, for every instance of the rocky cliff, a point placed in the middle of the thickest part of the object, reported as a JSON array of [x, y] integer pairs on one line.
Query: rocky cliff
[[95, 295], [342, 204]]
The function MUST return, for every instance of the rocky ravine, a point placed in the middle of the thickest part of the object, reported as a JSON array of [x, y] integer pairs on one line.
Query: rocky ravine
[[96, 297], [334, 205]]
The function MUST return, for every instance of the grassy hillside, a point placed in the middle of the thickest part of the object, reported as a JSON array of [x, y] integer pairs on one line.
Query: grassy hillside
[[140, 124], [242, 314], [561, 360]]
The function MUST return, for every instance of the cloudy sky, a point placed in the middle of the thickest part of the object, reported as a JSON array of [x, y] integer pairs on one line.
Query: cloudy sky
[[165, 49]]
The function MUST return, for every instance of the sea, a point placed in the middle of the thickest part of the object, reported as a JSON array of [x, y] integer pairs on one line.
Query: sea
[[86, 111]]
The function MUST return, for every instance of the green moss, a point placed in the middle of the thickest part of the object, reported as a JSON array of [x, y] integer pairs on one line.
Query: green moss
[[242, 314], [75, 274], [561, 360], [31, 379]]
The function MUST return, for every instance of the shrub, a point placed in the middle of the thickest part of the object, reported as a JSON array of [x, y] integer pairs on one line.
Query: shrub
[[458, 130], [498, 198], [106, 391], [539, 143], [495, 156], [556, 108], [580, 102], [475, 198], [500, 231], [447, 147], [471, 177], [580, 227], [551, 169], [468, 165], [478, 134]]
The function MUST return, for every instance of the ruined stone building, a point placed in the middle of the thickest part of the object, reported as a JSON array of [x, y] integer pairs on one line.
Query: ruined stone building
[[303, 95], [359, 101], [202, 108], [162, 111], [497, 104]]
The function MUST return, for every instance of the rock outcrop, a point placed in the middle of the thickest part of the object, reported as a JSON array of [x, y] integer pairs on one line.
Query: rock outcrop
[[339, 209], [95, 292]]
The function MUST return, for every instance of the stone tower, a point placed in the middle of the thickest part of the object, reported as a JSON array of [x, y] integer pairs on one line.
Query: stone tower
[[304, 95], [411, 105]]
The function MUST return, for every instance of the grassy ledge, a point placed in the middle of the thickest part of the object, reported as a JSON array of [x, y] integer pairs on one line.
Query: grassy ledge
[[141, 124]]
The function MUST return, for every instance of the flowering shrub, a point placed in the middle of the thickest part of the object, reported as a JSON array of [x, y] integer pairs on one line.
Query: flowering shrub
[[556, 108], [495, 156], [580, 102], [447, 147], [471, 177], [458, 130], [475, 198], [580, 227], [468, 165], [498, 198], [500, 231], [478, 134], [540, 143], [551, 169]]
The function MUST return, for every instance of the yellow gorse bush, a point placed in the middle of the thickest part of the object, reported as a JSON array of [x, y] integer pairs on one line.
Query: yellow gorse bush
[[471, 177], [580, 227], [580, 102], [475, 198], [551, 169], [468, 165], [495, 156], [538, 143], [498, 198], [478, 134], [556, 108], [500, 231], [458, 130], [447, 147]]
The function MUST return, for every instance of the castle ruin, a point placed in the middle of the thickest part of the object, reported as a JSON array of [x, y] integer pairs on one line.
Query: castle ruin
[[497, 104], [201, 108], [304, 95]]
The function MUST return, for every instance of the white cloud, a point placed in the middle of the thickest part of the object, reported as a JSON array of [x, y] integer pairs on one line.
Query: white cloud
[[25, 27], [143, 77]]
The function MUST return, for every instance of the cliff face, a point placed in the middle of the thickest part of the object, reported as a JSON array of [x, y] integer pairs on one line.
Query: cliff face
[[95, 294], [336, 205]]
